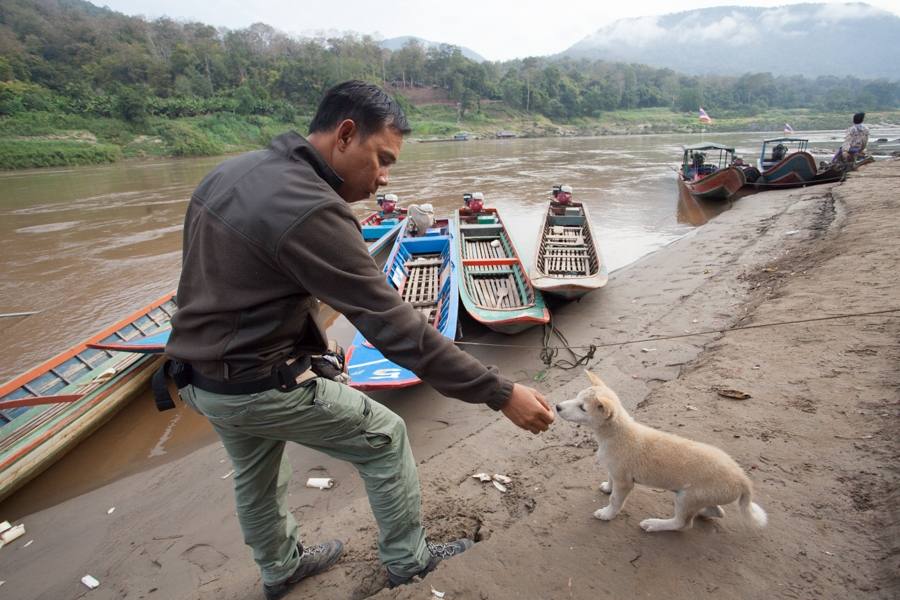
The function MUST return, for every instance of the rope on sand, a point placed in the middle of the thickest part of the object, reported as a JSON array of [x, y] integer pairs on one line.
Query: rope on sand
[[551, 351], [548, 352]]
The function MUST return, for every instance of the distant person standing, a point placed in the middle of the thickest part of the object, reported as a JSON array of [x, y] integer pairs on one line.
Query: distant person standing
[[855, 140]]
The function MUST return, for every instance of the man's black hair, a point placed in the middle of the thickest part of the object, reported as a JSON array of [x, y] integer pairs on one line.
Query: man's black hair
[[858, 118], [366, 104]]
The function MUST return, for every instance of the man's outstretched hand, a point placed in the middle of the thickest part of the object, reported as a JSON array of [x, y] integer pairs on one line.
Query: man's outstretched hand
[[528, 409]]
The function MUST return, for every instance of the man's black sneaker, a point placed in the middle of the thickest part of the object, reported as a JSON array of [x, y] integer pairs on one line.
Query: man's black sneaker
[[438, 553], [314, 559]]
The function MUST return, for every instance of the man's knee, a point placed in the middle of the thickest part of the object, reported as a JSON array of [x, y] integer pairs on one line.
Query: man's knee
[[386, 430]]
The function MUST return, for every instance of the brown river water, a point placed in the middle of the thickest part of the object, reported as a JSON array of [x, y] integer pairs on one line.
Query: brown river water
[[86, 246]]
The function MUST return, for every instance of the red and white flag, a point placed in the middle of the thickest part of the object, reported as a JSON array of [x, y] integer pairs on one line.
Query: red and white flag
[[704, 118], [788, 128]]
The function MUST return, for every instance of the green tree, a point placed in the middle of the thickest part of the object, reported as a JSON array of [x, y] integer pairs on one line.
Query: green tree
[[132, 104]]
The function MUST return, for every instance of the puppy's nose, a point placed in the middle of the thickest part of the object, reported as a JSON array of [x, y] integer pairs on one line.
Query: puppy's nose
[[558, 409]]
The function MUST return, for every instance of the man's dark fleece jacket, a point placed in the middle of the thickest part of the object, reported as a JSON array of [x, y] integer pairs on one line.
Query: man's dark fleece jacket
[[265, 235]]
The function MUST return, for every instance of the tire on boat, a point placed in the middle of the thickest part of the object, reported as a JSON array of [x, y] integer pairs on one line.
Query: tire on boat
[[751, 174]]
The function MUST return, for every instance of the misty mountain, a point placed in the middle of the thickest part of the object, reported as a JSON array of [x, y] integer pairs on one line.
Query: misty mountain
[[801, 39], [398, 42]]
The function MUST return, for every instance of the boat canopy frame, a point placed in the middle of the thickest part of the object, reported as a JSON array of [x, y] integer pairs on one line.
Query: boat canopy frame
[[793, 144], [725, 156]]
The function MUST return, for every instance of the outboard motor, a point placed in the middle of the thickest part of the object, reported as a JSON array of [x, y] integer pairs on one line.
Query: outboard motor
[[564, 195], [779, 152], [419, 218], [388, 203], [474, 202]]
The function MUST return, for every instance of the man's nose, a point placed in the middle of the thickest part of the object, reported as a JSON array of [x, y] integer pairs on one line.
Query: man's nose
[[383, 179]]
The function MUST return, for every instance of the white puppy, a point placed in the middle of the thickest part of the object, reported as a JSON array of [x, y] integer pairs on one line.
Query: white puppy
[[702, 476]]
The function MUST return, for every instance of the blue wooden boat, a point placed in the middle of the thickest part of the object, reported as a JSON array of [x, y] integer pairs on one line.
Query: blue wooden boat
[[380, 228], [52, 407], [494, 286], [422, 269]]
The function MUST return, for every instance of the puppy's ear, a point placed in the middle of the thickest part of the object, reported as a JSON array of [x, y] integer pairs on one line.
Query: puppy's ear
[[602, 407], [606, 408], [594, 379]]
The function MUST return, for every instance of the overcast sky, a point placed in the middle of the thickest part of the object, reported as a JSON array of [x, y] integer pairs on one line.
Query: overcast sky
[[496, 30]]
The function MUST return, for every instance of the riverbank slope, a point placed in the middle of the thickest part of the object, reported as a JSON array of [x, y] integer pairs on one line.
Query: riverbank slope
[[818, 437]]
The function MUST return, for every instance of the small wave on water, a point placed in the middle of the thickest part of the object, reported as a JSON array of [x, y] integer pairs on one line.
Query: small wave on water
[[48, 228]]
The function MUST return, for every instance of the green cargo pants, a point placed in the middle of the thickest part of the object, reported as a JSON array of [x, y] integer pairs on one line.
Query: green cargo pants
[[334, 419]]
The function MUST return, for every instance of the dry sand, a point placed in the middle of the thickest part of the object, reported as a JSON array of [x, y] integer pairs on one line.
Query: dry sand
[[818, 436]]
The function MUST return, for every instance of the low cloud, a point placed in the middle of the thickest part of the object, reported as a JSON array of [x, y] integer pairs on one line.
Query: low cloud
[[734, 29], [644, 31], [835, 13], [639, 31]]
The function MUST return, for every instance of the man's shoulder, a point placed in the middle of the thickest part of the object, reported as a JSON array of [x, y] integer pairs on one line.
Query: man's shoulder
[[228, 173], [262, 194]]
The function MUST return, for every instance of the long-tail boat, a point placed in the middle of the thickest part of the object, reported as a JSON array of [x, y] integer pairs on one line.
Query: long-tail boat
[[785, 162], [707, 172], [567, 261], [422, 269], [493, 283], [49, 409]]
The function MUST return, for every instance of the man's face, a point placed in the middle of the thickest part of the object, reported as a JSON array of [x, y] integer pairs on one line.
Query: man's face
[[364, 162]]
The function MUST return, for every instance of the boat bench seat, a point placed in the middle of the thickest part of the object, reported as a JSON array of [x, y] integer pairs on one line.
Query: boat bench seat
[[490, 271], [481, 227], [565, 220], [564, 241], [423, 262], [571, 251]]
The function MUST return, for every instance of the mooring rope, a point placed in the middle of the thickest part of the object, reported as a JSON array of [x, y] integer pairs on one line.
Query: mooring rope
[[548, 352], [551, 351]]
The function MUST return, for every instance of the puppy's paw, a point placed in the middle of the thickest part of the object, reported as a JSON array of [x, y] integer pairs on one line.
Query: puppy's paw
[[651, 525], [605, 514], [606, 487]]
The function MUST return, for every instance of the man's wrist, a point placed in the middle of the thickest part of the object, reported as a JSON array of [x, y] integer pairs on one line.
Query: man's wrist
[[500, 396]]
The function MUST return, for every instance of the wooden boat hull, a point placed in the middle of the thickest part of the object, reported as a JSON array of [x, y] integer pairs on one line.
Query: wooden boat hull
[[427, 282], [568, 291], [720, 185], [794, 170], [564, 267], [39, 454], [91, 384], [493, 284]]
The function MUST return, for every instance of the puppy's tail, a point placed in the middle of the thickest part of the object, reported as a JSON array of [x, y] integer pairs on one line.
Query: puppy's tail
[[750, 509]]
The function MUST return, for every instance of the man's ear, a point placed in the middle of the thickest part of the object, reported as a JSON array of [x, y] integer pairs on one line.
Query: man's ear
[[346, 130]]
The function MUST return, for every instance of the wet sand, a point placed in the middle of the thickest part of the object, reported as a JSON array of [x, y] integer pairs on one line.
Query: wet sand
[[818, 437]]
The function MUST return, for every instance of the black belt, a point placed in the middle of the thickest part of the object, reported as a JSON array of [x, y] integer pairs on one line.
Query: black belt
[[285, 377]]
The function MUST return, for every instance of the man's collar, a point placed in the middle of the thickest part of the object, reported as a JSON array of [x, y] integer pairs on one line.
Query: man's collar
[[294, 146]]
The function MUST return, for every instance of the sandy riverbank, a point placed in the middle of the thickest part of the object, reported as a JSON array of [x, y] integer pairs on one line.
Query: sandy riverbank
[[818, 437]]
